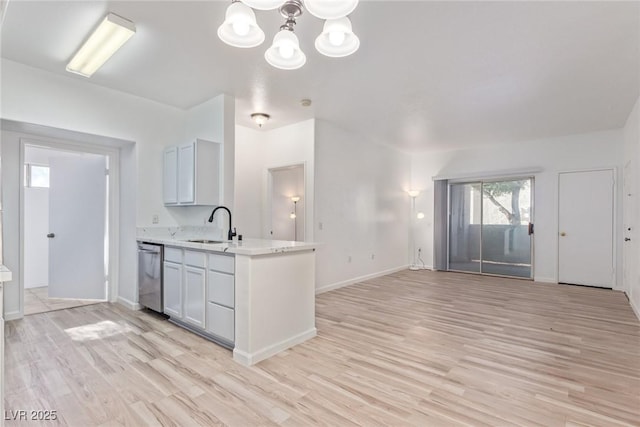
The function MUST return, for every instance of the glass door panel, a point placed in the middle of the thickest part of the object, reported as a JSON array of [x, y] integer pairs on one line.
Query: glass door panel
[[506, 239], [465, 226]]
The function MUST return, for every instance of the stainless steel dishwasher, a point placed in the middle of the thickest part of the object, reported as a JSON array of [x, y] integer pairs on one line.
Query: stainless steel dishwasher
[[150, 258]]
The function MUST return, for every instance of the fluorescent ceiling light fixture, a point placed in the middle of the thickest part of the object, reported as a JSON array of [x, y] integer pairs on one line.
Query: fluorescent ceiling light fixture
[[337, 38], [111, 34]]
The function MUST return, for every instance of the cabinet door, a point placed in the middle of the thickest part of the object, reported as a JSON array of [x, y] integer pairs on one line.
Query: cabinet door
[[221, 321], [170, 176], [186, 173], [221, 289], [194, 288], [172, 285]]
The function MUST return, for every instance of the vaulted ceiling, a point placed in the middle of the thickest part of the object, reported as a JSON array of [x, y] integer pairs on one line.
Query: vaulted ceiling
[[428, 75]]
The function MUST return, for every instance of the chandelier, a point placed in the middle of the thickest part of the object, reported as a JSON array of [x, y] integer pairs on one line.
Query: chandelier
[[337, 39]]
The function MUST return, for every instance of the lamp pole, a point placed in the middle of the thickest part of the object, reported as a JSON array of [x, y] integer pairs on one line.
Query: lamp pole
[[294, 215], [295, 220], [414, 264]]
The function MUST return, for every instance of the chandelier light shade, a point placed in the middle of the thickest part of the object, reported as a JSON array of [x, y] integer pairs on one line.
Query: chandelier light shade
[[264, 4], [285, 51], [337, 38], [330, 9], [240, 28]]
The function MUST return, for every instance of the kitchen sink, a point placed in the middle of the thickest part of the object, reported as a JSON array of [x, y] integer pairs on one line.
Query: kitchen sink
[[204, 241]]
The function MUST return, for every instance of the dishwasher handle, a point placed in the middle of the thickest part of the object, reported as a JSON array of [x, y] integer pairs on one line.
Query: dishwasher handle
[[148, 251]]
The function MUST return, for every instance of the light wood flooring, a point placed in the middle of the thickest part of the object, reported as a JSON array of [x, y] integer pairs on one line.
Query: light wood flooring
[[413, 348], [36, 300]]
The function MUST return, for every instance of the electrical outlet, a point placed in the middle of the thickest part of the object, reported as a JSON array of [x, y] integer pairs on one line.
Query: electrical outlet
[[155, 219]]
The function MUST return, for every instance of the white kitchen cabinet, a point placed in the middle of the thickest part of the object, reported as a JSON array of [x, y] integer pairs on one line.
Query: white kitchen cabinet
[[220, 288], [221, 296], [170, 178], [172, 285], [192, 174], [221, 321], [194, 295]]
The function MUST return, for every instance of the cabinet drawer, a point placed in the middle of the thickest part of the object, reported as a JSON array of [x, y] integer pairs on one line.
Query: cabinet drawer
[[221, 321], [222, 263], [195, 259], [221, 288], [173, 255]]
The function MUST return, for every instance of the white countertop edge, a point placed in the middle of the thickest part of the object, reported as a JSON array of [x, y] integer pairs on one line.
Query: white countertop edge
[[244, 247], [5, 274]]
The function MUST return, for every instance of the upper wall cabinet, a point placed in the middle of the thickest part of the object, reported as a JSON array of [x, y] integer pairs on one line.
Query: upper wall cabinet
[[192, 174]]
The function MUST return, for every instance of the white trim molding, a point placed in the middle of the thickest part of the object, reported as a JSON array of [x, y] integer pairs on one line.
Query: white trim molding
[[248, 359], [344, 283], [128, 304]]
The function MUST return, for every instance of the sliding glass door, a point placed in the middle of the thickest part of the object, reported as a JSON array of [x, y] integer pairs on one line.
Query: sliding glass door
[[490, 229]]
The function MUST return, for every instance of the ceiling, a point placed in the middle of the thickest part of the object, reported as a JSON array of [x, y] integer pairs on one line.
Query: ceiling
[[428, 75]]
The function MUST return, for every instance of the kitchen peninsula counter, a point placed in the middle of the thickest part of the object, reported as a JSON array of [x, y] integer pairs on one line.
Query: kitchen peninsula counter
[[274, 292]]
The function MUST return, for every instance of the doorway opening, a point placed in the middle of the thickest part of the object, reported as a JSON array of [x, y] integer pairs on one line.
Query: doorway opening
[[65, 221], [490, 227], [287, 203]]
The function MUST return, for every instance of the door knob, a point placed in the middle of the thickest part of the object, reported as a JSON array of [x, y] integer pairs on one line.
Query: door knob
[[562, 233], [626, 239], [51, 235]]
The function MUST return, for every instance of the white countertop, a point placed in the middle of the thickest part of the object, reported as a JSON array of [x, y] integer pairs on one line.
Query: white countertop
[[244, 247], [5, 274]]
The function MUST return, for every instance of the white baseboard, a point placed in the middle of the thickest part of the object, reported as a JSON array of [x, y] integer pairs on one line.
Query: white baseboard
[[545, 279], [14, 315], [129, 304], [344, 283], [248, 359], [635, 308]]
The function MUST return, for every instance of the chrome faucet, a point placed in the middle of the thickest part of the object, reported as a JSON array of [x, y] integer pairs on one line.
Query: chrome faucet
[[230, 234]]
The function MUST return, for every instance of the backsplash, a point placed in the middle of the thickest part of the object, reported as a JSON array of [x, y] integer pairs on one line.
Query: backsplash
[[181, 233]]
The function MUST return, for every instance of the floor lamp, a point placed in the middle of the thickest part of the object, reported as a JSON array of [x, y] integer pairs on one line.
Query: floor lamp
[[414, 263], [294, 215]]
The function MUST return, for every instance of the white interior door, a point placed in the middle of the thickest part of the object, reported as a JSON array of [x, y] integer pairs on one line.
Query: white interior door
[[287, 216], [585, 225], [630, 248], [77, 223]]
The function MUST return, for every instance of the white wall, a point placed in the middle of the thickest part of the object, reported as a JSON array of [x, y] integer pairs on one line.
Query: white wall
[[362, 208], [213, 120], [35, 96], [553, 155], [257, 151], [285, 184], [632, 207]]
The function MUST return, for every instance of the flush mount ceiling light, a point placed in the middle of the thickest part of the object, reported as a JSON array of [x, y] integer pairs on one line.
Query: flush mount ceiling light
[[111, 34], [337, 39], [260, 118]]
